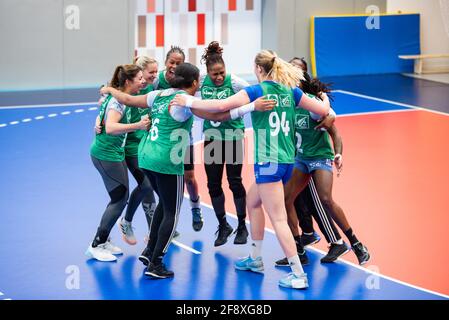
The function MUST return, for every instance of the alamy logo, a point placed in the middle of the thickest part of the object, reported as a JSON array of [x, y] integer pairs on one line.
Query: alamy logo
[[302, 122], [72, 19]]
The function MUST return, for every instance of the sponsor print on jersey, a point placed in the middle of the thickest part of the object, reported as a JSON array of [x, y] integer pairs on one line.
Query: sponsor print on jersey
[[274, 97], [216, 93], [302, 122], [286, 101]]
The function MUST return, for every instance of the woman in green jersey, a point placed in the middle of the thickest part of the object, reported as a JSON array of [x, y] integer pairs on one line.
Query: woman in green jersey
[[143, 193], [175, 57], [223, 144], [108, 156], [274, 154]]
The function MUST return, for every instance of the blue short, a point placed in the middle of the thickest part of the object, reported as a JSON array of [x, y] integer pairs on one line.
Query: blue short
[[309, 166], [273, 172]]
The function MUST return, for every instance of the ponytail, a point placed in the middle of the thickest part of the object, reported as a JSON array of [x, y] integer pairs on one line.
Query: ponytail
[[123, 73]]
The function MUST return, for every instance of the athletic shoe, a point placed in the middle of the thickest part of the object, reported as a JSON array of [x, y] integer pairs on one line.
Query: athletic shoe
[[308, 240], [335, 252], [100, 253], [361, 252], [302, 257], [158, 271], [250, 264], [197, 219], [145, 257], [223, 233], [295, 282], [113, 248], [241, 236], [127, 232]]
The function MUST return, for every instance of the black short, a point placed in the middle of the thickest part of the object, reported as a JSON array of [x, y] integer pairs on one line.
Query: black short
[[189, 164]]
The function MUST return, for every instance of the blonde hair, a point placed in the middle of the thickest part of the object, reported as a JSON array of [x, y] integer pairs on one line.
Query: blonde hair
[[144, 61], [278, 69]]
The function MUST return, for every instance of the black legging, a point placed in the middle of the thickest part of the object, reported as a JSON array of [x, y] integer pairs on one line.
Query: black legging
[[308, 204], [115, 178], [216, 154], [170, 189], [142, 193]]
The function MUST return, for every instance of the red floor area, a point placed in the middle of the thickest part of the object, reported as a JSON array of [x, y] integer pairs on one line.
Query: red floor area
[[393, 190]]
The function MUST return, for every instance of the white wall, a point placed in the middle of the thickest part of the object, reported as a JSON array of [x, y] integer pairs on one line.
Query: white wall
[[434, 39]]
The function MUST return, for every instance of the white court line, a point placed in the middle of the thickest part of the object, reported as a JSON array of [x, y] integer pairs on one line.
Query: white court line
[[3, 125], [52, 115], [1, 293], [181, 245], [79, 110], [93, 108], [391, 102], [350, 263], [49, 105], [13, 123], [65, 113], [7, 299], [27, 120], [39, 117]]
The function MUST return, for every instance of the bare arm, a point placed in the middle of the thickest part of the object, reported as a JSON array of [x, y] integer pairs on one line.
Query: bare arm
[[235, 101], [126, 99], [97, 127], [336, 138], [113, 127], [314, 105]]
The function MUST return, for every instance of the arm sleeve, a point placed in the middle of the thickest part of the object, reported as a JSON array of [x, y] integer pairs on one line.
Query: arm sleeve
[[117, 106], [297, 94], [151, 97], [180, 114], [254, 92], [238, 84]]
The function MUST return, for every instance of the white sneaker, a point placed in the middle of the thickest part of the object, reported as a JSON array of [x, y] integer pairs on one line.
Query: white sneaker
[[100, 253], [127, 232], [113, 248]]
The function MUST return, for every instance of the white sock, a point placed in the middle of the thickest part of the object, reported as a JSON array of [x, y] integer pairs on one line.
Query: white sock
[[296, 266], [195, 204], [256, 249]]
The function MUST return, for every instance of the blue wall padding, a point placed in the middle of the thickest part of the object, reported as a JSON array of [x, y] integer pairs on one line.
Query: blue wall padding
[[345, 46]]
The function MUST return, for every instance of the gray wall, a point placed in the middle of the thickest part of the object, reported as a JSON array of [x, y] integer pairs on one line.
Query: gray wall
[[38, 52], [286, 23]]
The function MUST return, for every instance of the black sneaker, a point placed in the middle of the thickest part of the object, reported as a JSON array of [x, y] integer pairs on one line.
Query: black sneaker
[[241, 236], [223, 234], [197, 219], [335, 252], [145, 257], [158, 271], [302, 257], [308, 240], [361, 252]]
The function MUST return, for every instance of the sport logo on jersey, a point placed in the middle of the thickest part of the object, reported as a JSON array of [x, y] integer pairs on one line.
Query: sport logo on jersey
[[286, 101], [273, 97], [158, 107], [302, 122], [223, 93]]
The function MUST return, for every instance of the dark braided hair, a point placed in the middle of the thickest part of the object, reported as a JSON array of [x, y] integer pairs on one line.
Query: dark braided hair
[[213, 55]]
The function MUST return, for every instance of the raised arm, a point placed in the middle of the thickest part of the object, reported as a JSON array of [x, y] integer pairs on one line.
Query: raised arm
[[126, 99], [115, 128], [235, 101]]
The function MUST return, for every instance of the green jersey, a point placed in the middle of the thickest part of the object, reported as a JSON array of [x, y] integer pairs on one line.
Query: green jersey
[[274, 132], [135, 115], [110, 147], [228, 130], [163, 83], [165, 146], [310, 143]]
